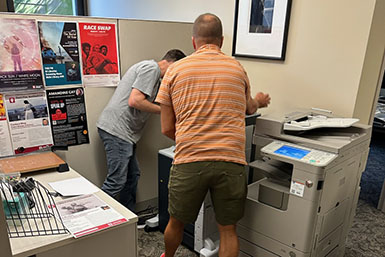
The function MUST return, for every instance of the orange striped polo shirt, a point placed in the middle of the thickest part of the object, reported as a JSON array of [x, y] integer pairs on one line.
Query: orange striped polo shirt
[[207, 91]]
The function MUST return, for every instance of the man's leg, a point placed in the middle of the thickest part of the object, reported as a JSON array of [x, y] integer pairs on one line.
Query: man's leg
[[173, 236], [118, 153], [229, 244], [128, 193]]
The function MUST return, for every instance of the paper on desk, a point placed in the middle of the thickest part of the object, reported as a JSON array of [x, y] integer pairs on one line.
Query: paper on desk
[[74, 186], [87, 214]]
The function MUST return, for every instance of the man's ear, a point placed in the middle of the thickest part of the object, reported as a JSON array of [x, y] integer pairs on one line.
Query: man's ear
[[193, 42]]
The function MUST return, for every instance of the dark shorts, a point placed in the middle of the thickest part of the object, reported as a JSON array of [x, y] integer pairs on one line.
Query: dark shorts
[[190, 182]]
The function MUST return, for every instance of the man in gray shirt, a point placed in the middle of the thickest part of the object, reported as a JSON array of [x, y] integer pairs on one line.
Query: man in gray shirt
[[122, 120]]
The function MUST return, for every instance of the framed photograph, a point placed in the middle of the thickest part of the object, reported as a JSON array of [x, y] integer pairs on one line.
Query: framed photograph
[[260, 28]]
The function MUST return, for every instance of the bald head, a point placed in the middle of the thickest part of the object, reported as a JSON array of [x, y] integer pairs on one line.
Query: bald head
[[207, 29]]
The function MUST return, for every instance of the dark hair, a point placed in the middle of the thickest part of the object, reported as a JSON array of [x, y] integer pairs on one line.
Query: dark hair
[[104, 47], [208, 27], [26, 102], [84, 45], [173, 55]]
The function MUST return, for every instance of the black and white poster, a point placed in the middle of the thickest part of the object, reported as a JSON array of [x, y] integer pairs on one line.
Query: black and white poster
[[68, 116]]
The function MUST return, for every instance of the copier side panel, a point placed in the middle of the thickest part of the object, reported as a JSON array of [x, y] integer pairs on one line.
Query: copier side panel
[[293, 227]]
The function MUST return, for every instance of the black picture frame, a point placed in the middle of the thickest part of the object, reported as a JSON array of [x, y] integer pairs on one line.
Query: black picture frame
[[261, 28]]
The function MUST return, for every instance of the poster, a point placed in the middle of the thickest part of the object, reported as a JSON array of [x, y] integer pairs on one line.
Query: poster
[[59, 52], [20, 63], [28, 122], [5, 139], [68, 116], [99, 48]]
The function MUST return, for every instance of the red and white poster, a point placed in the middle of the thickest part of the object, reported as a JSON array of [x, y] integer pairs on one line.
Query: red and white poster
[[99, 48]]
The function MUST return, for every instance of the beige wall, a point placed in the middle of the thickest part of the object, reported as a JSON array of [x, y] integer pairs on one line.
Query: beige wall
[[325, 54], [151, 40], [333, 50], [373, 69]]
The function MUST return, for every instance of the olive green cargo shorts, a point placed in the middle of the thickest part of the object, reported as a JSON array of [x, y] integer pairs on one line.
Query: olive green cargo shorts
[[190, 182]]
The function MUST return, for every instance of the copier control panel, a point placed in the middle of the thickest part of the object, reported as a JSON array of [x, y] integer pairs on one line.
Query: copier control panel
[[302, 154]]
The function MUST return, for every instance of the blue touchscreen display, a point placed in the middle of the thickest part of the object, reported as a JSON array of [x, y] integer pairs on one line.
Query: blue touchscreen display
[[291, 152]]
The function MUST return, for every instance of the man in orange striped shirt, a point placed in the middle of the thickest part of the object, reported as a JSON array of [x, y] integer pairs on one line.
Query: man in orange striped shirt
[[204, 98]]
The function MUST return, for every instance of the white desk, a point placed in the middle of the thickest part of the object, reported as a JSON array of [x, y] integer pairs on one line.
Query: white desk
[[120, 240]]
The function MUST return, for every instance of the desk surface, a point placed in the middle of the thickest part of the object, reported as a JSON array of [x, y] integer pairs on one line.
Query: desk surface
[[33, 245]]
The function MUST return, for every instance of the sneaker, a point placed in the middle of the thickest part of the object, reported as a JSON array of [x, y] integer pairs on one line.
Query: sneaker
[[163, 255]]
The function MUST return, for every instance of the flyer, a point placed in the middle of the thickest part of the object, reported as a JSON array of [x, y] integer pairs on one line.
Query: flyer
[[60, 52], [5, 138], [87, 214], [100, 62], [20, 62], [28, 122], [68, 116]]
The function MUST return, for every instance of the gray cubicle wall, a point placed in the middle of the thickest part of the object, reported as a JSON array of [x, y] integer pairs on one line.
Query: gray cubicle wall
[[138, 40]]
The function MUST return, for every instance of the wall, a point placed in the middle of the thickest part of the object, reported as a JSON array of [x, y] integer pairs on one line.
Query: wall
[[3, 6], [374, 65], [330, 50], [138, 40]]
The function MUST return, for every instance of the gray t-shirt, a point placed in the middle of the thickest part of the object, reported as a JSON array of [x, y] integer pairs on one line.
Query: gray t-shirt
[[118, 118]]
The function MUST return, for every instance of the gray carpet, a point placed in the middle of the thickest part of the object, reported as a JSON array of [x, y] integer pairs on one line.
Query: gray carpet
[[366, 237], [374, 175]]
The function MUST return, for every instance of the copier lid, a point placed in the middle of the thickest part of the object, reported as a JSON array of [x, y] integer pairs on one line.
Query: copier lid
[[329, 139], [318, 121]]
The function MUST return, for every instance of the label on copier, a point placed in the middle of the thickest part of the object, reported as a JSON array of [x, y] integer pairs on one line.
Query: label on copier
[[297, 188]]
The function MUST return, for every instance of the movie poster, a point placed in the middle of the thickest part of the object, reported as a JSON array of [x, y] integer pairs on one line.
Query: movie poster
[[99, 54], [68, 116], [20, 63], [60, 53], [28, 122], [5, 139]]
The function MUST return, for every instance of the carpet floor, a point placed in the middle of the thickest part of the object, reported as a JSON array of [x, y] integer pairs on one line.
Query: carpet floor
[[365, 239]]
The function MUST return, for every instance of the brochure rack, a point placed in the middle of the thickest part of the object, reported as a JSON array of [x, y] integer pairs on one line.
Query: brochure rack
[[29, 208]]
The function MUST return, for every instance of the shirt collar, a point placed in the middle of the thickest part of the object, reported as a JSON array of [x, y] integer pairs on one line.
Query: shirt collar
[[208, 47]]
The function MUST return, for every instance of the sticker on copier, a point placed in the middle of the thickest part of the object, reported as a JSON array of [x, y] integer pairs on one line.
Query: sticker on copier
[[297, 188]]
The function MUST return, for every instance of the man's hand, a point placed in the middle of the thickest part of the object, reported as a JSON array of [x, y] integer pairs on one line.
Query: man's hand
[[262, 99], [139, 101]]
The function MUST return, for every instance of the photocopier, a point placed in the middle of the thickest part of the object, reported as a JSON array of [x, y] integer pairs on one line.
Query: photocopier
[[304, 188], [306, 185]]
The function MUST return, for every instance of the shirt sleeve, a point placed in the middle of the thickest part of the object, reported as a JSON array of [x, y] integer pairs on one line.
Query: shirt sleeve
[[164, 94], [146, 78]]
